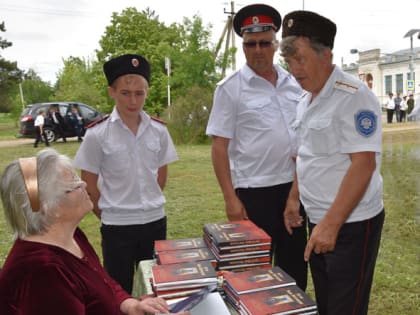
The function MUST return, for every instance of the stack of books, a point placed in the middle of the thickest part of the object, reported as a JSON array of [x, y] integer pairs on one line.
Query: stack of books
[[238, 245], [266, 291], [182, 250], [183, 279]]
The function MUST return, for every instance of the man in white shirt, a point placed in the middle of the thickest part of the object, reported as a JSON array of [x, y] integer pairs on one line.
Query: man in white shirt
[[253, 143], [338, 164]]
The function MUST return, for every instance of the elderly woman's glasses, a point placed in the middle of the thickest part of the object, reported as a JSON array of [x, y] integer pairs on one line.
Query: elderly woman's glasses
[[76, 184]]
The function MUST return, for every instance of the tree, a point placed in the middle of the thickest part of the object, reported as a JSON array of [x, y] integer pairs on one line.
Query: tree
[[77, 82], [34, 89], [10, 76], [141, 33], [194, 62]]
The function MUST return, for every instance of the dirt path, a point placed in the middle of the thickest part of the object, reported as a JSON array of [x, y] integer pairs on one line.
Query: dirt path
[[385, 128]]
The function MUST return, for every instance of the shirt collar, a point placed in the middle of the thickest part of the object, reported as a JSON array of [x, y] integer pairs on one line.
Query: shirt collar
[[249, 74], [328, 88]]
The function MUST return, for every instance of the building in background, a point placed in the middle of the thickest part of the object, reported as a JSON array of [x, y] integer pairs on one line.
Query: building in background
[[385, 73]]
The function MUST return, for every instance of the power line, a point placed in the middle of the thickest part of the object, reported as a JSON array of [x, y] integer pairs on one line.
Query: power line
[[44, 11]]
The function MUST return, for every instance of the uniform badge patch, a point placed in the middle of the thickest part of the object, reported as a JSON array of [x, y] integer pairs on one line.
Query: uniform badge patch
[[366, 122]]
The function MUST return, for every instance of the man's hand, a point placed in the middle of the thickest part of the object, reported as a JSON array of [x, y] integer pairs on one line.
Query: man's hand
[[235, 209], [291, 215], [323, 238]]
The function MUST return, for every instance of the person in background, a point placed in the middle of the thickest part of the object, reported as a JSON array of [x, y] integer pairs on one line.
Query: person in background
[[403, 109], [253, 142], [52, 268], [77, 122], [390, 108], [39, 128], [124, 161], [397, 102], [57, 120], [410, 104], [338, 164]]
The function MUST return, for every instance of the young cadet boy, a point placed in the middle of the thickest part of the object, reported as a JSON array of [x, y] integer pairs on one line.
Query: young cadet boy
[[124, 162]]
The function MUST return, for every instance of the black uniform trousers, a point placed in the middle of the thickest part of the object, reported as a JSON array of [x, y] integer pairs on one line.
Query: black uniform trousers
[[343, 278], [39, 136], [265, 207], [124, 246]]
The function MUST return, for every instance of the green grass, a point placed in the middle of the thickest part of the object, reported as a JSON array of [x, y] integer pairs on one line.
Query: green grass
[[194, 198], [8, 127]]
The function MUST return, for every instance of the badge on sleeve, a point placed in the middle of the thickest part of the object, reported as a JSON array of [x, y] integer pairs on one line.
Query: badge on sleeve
[[366, 122]]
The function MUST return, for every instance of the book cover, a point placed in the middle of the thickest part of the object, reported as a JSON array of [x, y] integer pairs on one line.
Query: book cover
[[257, 280], [185, 243], [179, 256], [183, 273], [236, 233], [278, 301]]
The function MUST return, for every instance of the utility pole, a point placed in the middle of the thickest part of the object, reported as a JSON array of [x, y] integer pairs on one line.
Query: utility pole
[[21, 96], [168, 73], [229, 33]]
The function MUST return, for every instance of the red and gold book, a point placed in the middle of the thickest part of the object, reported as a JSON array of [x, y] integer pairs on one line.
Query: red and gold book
[[178, 275], [237, 251], [278, 301], [257, 280], [236, 233], [178, 244], [180, 256]]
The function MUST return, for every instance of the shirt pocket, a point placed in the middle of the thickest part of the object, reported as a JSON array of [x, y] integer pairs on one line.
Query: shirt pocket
[[322, 136], [151, 152], [117, 158], [261, 111]]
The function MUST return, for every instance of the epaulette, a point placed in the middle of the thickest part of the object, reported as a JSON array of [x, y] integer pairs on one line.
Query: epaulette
[[98, 121], [158, 120], [345, 86]]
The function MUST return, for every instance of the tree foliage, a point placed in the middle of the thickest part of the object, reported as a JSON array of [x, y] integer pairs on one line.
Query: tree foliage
[[187, 45], [34, 89], [76, 82], [141, 33], [10, 76]]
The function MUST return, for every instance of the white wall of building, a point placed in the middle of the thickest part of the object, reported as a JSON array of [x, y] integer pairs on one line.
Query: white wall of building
[[373, 64]]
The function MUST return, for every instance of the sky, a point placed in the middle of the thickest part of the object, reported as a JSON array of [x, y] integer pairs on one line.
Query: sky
[[44, 32]]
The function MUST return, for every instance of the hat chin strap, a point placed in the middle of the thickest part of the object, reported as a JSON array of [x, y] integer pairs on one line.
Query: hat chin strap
[[30, 175]]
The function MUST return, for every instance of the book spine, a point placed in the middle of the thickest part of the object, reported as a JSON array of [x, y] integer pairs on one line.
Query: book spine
[[243, 261]]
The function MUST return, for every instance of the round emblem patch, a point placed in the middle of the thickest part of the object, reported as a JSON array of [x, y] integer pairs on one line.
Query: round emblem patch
[[135, 62], [290, 23], [366, 122], [255, 20]]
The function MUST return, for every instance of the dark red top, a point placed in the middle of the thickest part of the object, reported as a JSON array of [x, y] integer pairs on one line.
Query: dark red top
[[41, 279]]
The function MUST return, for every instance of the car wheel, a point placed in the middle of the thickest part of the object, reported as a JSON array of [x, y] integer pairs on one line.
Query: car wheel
[[51, 136]]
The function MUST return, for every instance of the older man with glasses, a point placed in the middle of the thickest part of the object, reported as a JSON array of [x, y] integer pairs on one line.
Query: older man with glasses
[[253, 141]]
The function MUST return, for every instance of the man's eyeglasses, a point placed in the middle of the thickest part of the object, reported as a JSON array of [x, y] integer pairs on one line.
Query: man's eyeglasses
[[262, 44]]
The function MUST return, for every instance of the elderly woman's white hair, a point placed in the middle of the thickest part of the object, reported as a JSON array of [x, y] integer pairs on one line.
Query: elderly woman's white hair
[[51, 191]]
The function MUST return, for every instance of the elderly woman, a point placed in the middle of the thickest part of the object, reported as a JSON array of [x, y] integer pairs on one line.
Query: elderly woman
[[52, 268]]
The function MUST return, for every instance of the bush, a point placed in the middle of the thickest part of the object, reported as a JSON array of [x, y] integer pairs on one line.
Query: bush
[[188, 116]]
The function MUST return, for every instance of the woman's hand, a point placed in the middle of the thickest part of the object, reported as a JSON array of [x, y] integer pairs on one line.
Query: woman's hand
[[150, 305]]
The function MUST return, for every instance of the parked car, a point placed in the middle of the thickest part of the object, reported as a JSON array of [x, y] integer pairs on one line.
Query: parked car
[[28, 117]]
